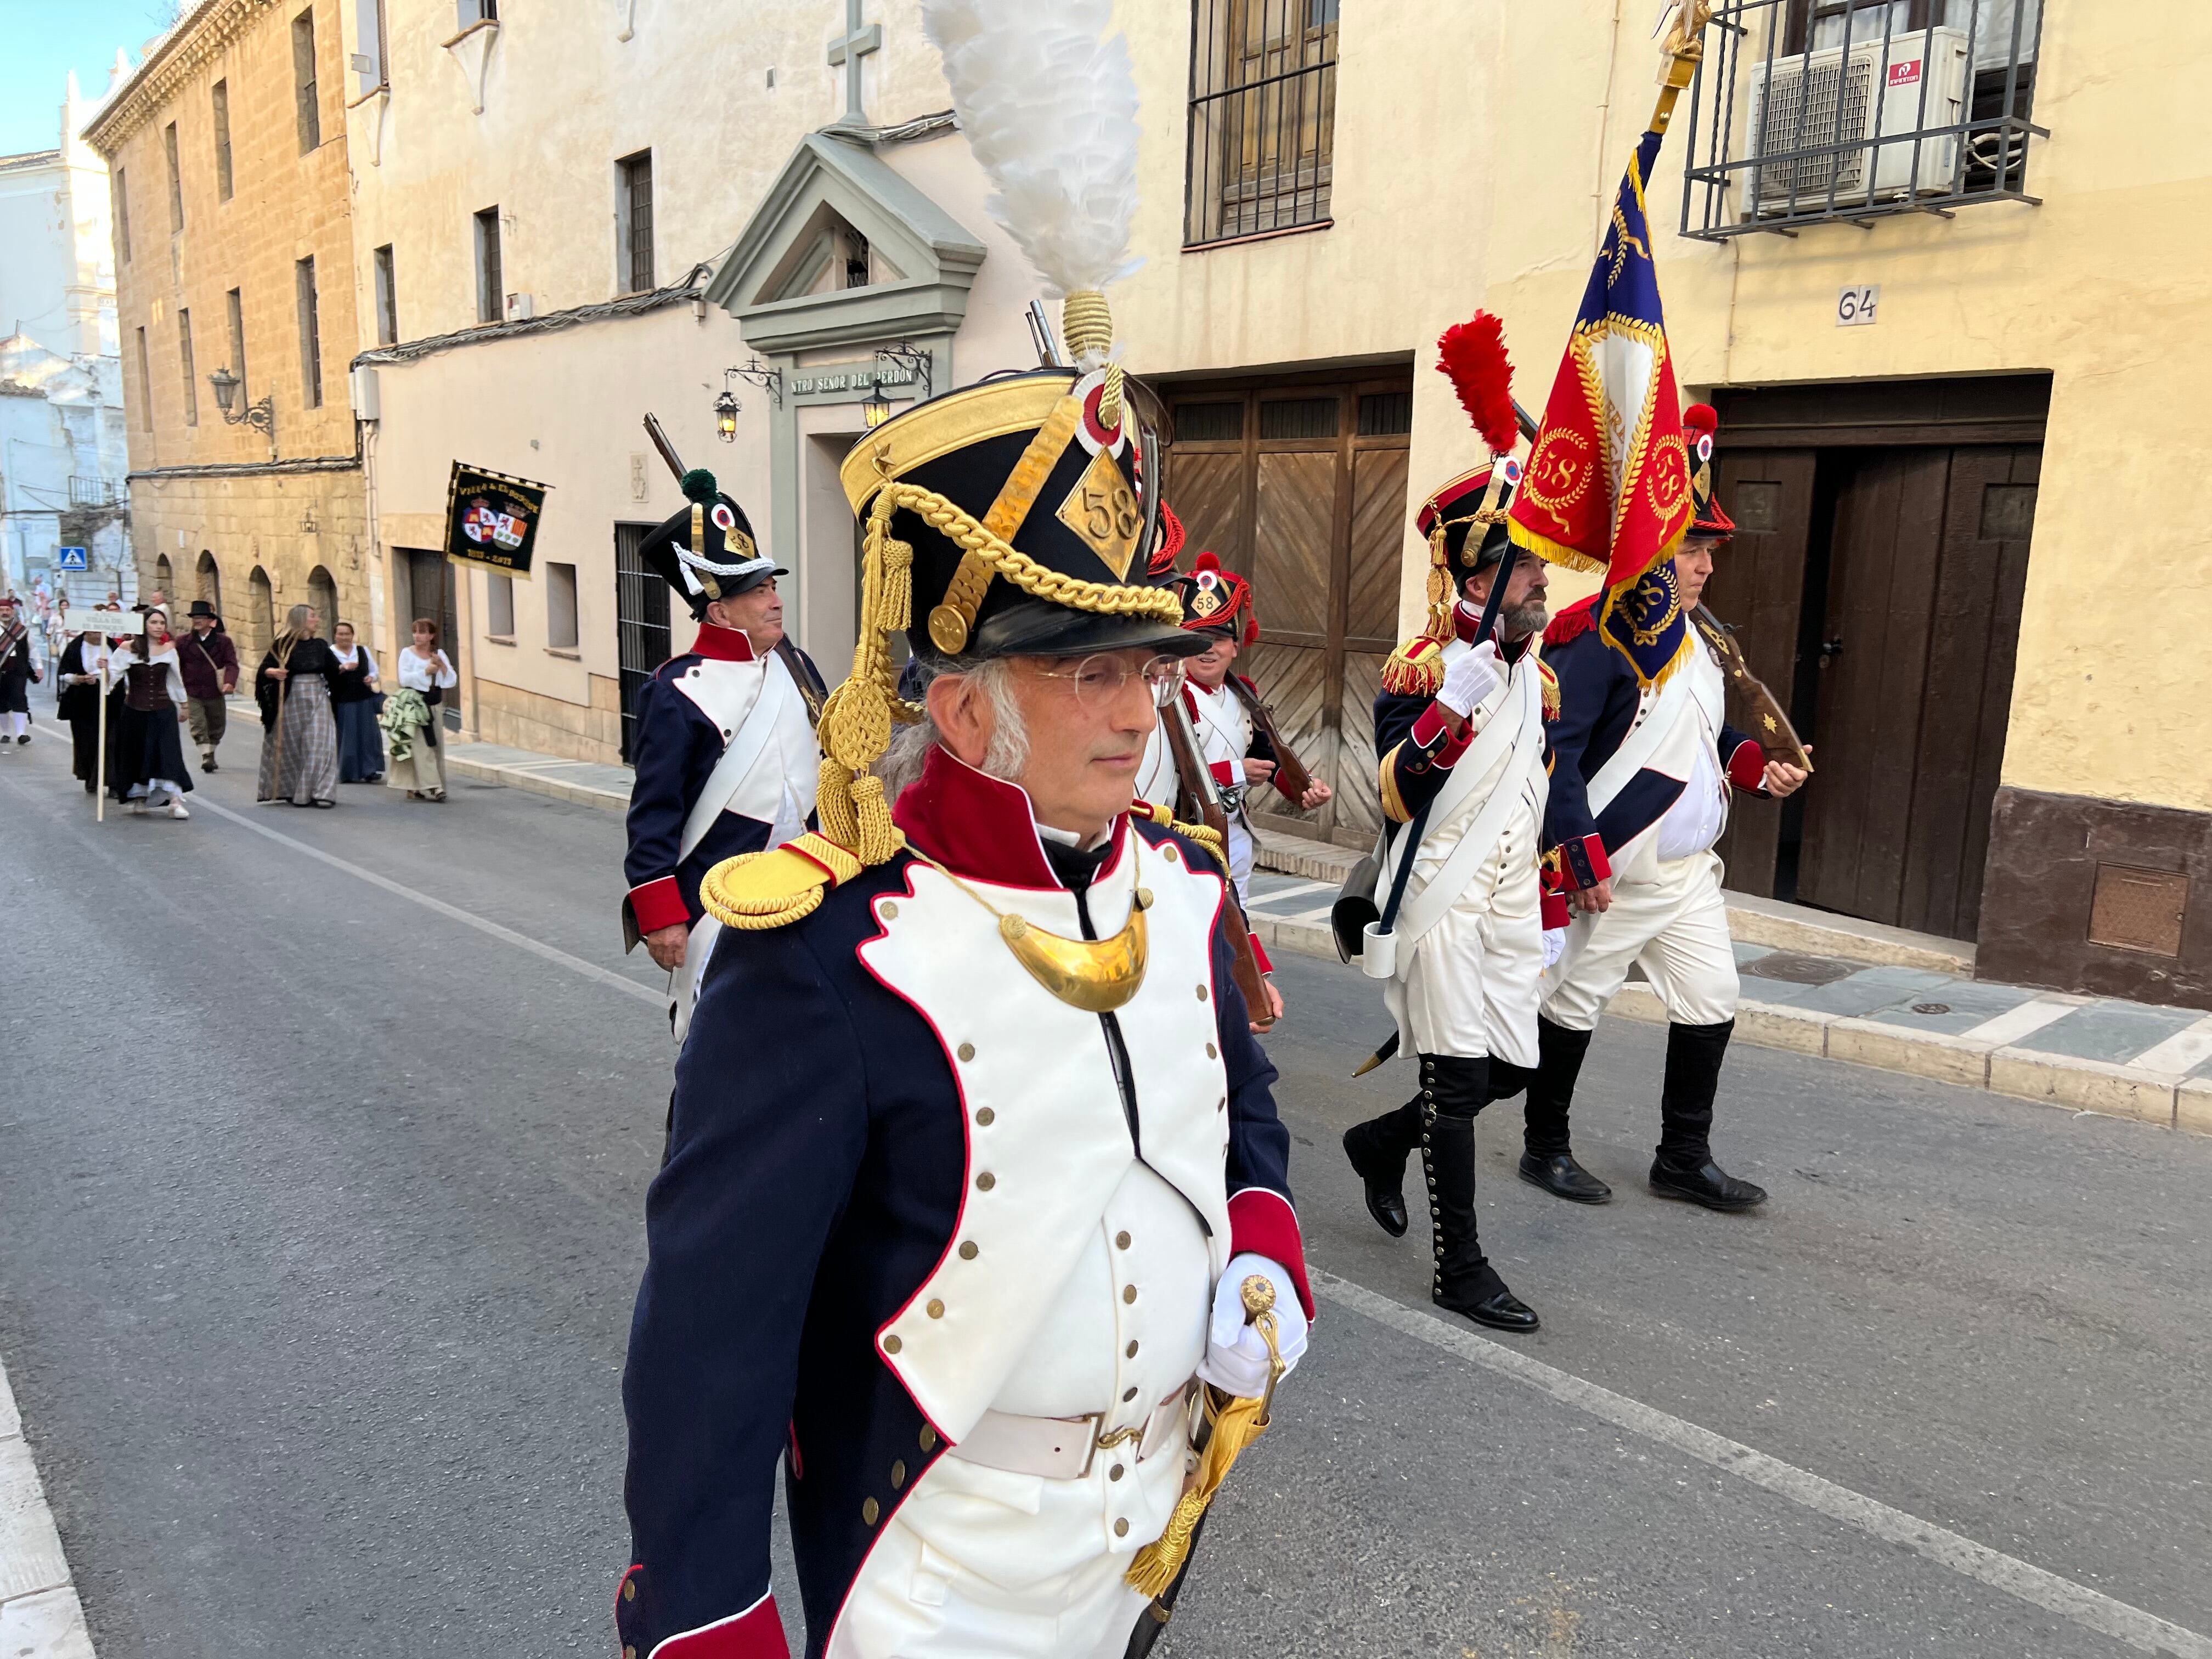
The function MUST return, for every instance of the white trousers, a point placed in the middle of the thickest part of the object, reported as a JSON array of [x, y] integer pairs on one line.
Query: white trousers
[[1472, 986], [981, 1564], [1667, 917], [19, 723], [1241, 852]]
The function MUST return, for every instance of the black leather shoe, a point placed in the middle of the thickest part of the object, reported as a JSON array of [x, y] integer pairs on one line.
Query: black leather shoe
[[1708, 1184], [1561, 1176], [1485, 1299], [1381, 1172]]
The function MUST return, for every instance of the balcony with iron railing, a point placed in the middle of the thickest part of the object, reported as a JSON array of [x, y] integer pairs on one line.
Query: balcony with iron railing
[[1811, 112], [94, 492]]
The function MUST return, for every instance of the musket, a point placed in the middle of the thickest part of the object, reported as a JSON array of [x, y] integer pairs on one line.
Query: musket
[[1290, 772], [793, 663], [1775, 735], [1199, 802]]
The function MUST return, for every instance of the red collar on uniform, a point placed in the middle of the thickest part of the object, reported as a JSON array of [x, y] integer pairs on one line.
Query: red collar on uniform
[[723, 644], [1465, 622], [979, 826]]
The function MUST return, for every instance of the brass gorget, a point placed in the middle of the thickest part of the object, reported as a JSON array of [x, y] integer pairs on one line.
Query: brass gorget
[[1096, 975]]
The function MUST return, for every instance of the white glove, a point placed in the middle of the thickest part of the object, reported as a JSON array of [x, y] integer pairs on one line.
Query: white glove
[[1555, 946], [1236, 1353], [1472, 678]]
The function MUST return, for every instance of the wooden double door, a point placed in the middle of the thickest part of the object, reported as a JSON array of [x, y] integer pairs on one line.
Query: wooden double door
[[1301, 488], [1877, 592]]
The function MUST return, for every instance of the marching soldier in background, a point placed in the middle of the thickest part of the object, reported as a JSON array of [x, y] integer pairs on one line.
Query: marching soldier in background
[[1639, 795], [1460, 727], [1217, 606], [723, 736]]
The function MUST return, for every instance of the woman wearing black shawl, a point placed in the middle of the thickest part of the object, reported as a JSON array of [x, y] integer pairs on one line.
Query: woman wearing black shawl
[[299, 751]]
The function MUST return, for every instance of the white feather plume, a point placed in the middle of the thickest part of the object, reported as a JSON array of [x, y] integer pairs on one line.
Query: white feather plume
[[1049, 108]]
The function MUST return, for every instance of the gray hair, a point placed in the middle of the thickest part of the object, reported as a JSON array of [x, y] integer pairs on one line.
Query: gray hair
[[1008, 754]]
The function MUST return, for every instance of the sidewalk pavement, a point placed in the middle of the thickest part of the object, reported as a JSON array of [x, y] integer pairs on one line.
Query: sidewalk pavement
[[40, 1616], [1817, 983]]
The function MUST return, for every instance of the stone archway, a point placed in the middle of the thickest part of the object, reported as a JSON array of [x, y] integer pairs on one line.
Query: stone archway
[[165, 579], [260, 613], [323, 594], [210, 580]]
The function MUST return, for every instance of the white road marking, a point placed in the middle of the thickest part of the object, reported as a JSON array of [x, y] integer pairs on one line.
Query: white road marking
[[2010, 1026], [2185, 1051], [2089, 1608], [621, 982]]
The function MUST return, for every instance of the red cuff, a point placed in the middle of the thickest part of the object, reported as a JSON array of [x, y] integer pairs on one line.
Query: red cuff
[[1431, 728], [1223, 771], [1582, 862], [1746, 767], [1261, 1220], [657, 904], [756, 1633], [1260, 955]]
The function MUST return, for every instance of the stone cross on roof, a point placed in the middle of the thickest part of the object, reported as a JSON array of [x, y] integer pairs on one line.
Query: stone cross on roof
[[846, 51]]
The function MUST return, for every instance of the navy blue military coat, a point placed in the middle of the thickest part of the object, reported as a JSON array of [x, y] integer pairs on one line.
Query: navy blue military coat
[[674, 746], [817, 1164], [1599, 695]]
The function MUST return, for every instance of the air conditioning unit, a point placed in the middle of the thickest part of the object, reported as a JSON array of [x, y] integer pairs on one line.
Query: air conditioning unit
[[1840, 95], [521, 307]]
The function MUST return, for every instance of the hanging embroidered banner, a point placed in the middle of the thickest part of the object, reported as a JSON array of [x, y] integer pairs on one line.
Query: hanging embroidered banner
[[491, 520]]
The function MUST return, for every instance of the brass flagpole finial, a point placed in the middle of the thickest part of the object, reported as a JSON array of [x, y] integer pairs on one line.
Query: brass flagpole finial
[[1679, 58]]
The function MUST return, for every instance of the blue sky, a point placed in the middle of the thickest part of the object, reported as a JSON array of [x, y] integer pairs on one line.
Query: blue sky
[[41, 40]]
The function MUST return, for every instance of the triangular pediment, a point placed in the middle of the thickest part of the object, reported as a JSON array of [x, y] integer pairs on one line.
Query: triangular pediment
[[784, 280]]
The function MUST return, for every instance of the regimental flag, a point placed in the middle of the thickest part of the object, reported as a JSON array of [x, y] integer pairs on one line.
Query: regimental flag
[[1607, 483]]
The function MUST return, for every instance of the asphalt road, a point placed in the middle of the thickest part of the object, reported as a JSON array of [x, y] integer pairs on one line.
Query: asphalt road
[[321, 1218]]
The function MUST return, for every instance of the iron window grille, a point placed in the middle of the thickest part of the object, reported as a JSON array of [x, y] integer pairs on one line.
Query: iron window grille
[[1811, 112], [1259, 152], [92, 492]]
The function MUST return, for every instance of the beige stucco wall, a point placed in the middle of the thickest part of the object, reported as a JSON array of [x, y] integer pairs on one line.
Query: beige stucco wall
[[1480, 177]]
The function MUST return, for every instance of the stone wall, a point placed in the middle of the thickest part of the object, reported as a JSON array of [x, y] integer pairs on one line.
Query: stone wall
[[551, 725]]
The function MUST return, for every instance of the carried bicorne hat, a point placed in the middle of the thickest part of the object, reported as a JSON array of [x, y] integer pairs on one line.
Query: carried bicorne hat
[[706, 552], [1708, 519], [1218, 603], [1463, 520]]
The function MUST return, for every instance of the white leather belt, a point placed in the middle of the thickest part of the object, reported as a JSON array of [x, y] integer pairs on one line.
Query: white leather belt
[[1061, 1447]]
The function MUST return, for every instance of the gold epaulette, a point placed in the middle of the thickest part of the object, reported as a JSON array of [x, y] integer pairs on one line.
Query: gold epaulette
[[772, 889], [1549, 683], [1416, 669], [1197, 832]]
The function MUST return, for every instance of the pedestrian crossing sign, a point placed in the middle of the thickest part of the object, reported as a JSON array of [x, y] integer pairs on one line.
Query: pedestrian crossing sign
[[73, 558]]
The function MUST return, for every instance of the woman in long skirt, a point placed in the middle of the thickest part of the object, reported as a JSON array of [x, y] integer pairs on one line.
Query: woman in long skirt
[[77, 701], [148, 766], [411, 715], [300, 753], [355, 699]]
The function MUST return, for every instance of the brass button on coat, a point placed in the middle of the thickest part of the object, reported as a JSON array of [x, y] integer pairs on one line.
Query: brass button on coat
[[629, 1589], [967, 1249], [898, 1474], [1212, 1052], [1121, 1241], [936, 1308], [1113, 1473], [1131, 1351], [1202, 994], [1128, 1293], [966, 1051], [1121, 1528], [986, 1117], [1127, 1395], [985, 1181], [892, 1344], [929, 1438], [890, 911], [869, 1510]]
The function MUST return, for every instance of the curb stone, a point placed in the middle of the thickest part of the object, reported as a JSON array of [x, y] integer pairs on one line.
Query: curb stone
[[41, 1617]]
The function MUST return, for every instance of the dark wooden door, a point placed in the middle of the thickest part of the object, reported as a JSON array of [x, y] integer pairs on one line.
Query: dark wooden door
[[433, 591], [643, 634], [1927, 565], [1757, 587], [1301, 487]]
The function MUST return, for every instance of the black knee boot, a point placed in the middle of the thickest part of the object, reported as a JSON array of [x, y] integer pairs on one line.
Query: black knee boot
[[1683, 1167], [1545, 1159], [1453, 1090], [1378, 1149]]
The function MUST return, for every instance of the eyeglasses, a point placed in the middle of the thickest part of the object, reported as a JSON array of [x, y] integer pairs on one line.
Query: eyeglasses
[[1098, 680]]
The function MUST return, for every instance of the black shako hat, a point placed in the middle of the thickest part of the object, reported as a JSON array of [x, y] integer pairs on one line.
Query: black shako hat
[[706, 552], [1031, 524]]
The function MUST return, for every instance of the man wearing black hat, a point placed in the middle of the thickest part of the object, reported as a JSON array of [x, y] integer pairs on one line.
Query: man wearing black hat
[[1639, 795], [722, 737], [210, 663], [958, 1244]]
